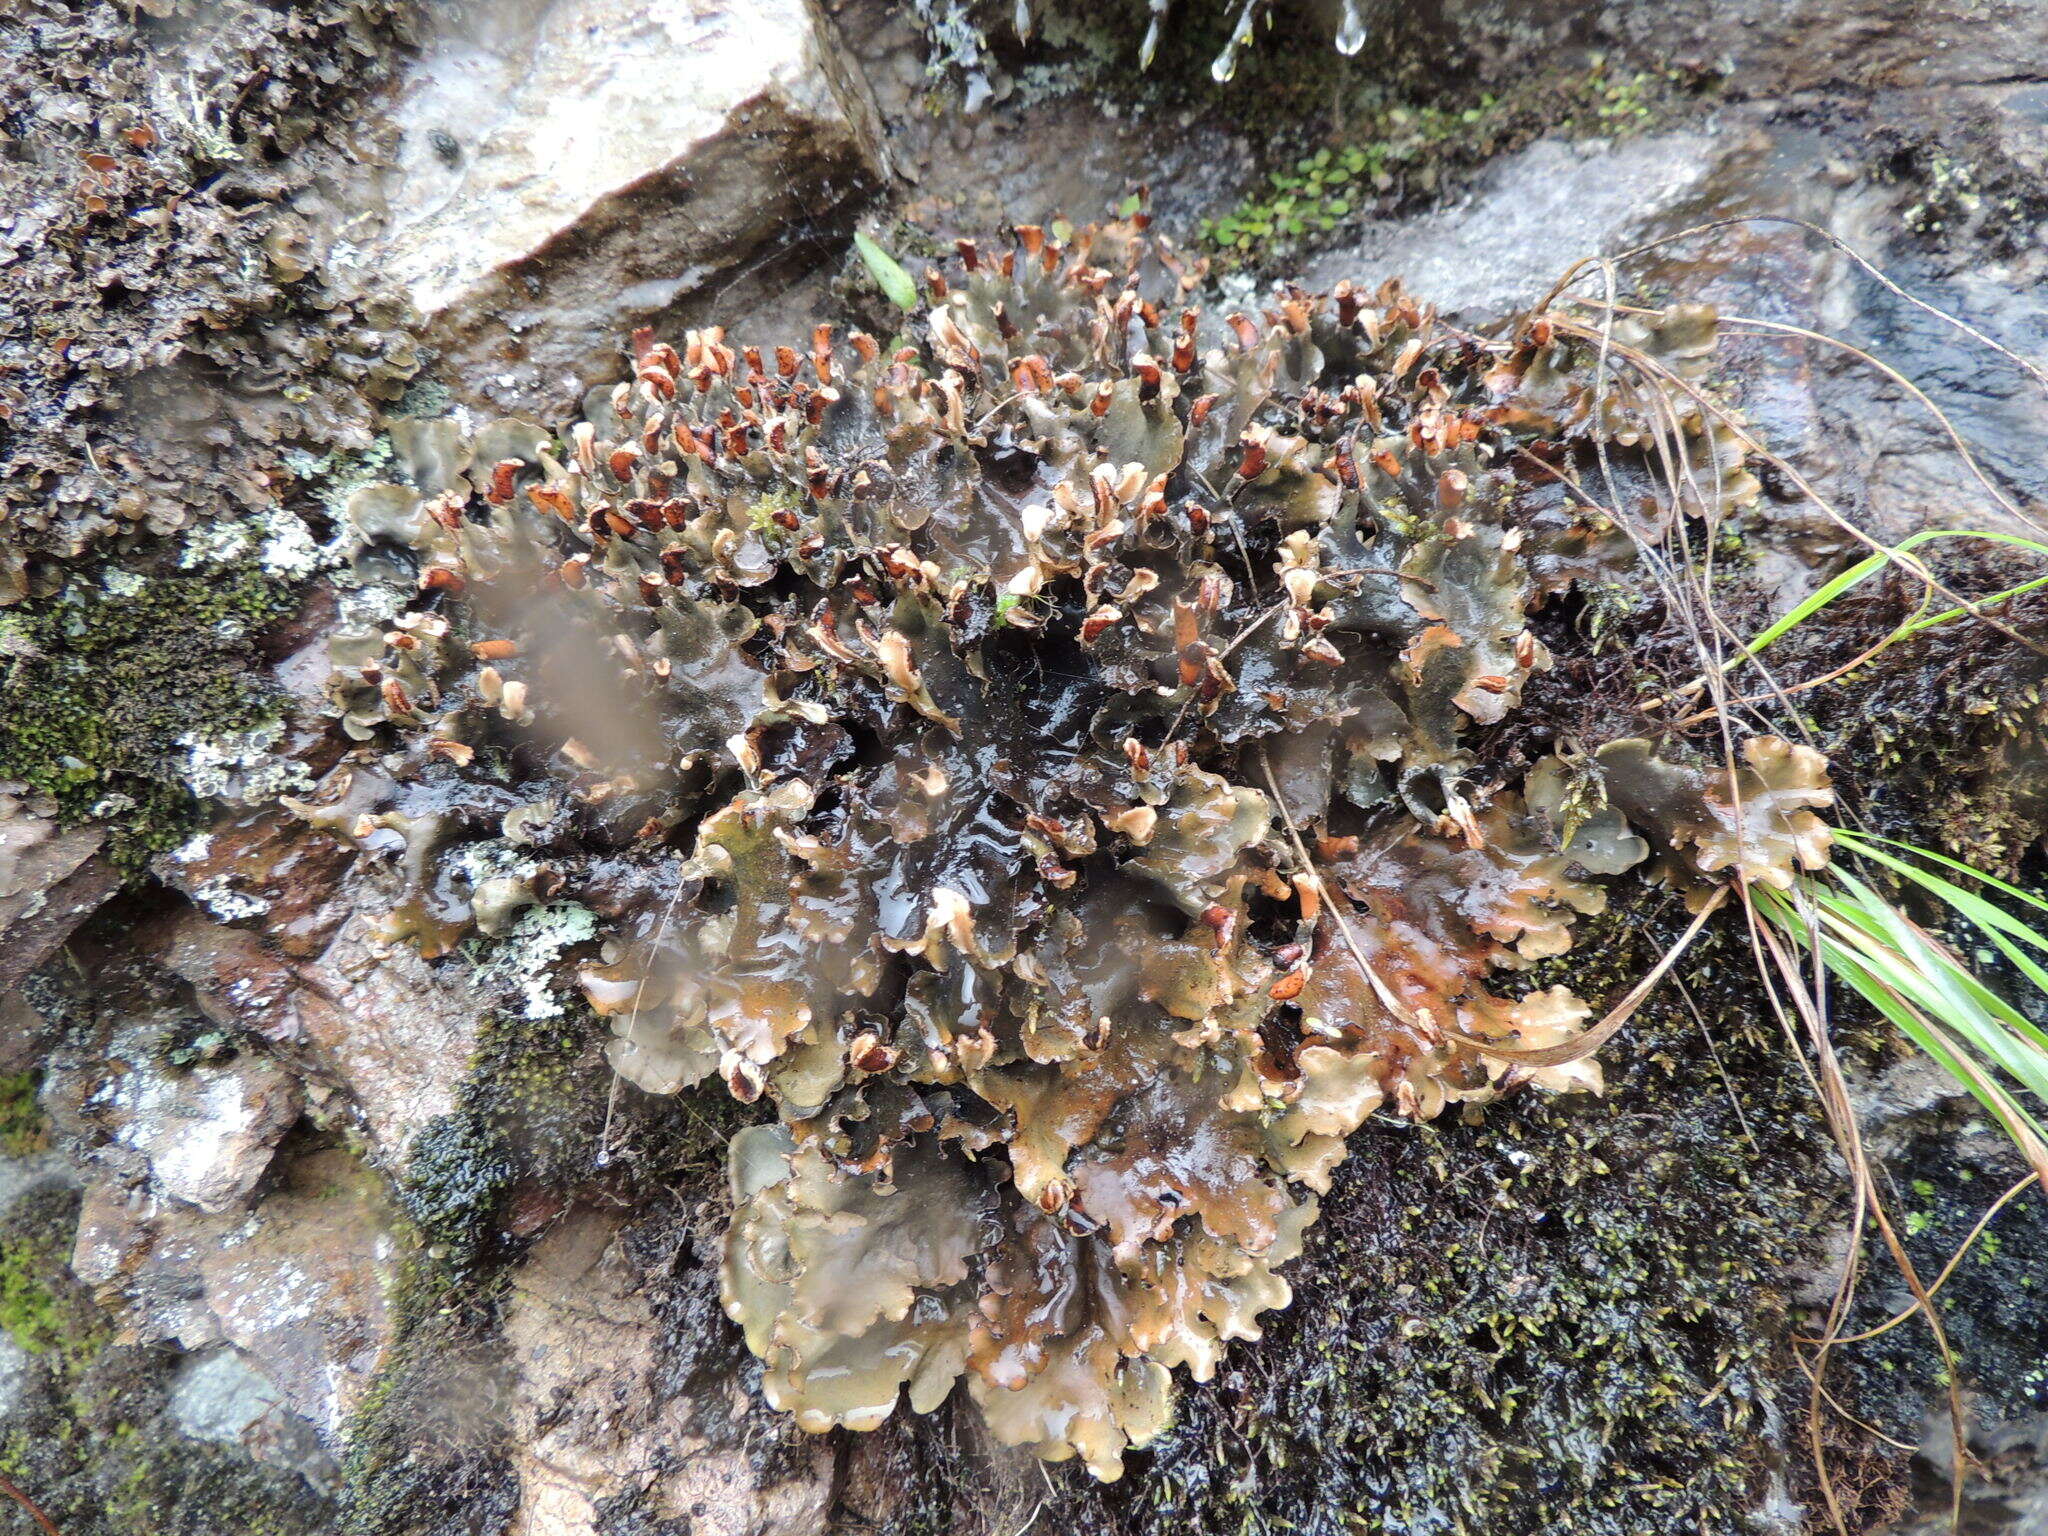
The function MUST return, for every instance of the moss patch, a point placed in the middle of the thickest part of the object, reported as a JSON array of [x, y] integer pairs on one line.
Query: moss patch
[[104, 679], [1393, 148], [1992, 1306], [38, 1311], [22, 1130], [428, 1459], [1562, 1318], [458, 1170]]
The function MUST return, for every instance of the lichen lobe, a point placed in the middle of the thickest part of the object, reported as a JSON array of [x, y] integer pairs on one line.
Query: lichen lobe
[[1035, 764]]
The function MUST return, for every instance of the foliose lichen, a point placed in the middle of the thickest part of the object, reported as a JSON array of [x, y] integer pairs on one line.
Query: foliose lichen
[[1037, 763], [174, 335]]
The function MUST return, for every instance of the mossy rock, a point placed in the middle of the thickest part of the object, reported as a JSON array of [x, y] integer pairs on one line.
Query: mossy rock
[[103, 681], [89, 1436], [1562, 1317]]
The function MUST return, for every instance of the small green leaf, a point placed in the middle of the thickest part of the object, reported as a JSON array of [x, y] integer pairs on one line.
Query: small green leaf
[[1129, 206], [887, 272]]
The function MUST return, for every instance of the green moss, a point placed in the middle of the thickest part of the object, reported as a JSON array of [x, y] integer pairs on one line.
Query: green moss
[[418, 1460], [1559, 1319], [35, 1311], [105, 679], [1402, 146], [530, 1119], [173, 1486], [529, 1109], [1991, 1306], [455, 1174], [41, 1308], [22, 1128], [1976, 788], [761, 515]]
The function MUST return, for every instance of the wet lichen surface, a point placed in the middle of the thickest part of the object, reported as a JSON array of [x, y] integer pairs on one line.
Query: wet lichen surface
[[174, 371], [901, 729], [845, 854], [171, 339], [1576, 1340]]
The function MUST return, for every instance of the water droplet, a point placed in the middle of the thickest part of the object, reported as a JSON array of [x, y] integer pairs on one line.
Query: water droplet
[[1351, 30], [1226, 61]]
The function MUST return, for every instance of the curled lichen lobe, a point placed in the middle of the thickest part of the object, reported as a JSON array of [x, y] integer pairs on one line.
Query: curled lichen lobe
[[1033, 762]]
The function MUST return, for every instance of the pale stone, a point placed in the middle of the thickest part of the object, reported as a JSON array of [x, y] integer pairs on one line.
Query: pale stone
[[564, 169], [218, 1395], [379, 1022], [590, 1418], [207, 1133], [1526, 219]]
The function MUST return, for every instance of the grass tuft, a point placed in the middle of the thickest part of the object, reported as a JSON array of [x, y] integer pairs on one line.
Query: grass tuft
[[1917, 981]]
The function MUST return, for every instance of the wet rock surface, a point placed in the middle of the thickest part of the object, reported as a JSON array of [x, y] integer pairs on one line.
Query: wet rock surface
[[50, 881], [556, 172], [218, 1396], [204, 1136], [298, 1286], [384, 1032], [626, 1398], [544, 176], [1527, 218]]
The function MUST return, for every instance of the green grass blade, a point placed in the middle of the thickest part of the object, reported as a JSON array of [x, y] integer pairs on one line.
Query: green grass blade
[[1814, 601], [1914, 626], [2000, 927], [1861, 842], [896, 284], [1974, 907], [1938, 1046], [1939, 982], [1828, 591], [1927, 991]]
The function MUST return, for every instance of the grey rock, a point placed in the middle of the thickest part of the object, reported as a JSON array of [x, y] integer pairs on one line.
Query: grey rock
[[564, 169], [1527, 219], [207, 1133], [2008, 1496], [217, 1395], [1777, 47]]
